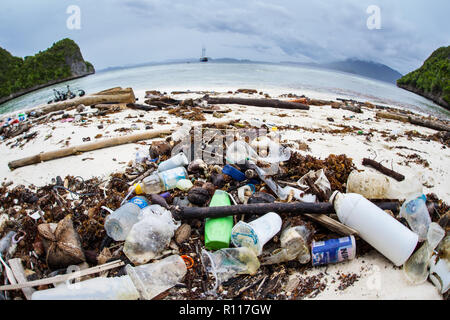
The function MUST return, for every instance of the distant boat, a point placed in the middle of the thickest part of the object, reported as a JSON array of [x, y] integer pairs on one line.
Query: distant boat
[[204, 58]]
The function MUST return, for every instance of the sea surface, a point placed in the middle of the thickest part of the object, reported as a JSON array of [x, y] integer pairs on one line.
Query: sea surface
[[231, 76]]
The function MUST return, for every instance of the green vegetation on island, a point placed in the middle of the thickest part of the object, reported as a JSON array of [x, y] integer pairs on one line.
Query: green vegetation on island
[[432, 80], [60, 62]]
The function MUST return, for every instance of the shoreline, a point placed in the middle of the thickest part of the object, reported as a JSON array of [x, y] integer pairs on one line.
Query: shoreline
[[35, 88], [309, 132]]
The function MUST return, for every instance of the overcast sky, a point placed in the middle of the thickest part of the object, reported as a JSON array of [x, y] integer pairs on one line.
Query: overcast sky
[[127, 32]]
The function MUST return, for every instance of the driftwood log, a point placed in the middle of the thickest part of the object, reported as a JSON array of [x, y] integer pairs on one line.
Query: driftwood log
[[378, 166], [414, 120], [264, 103], [293, 208], [116, 95]]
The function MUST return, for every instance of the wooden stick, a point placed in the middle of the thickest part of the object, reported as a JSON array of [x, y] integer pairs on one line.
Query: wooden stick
[[65, 277], [19, 274], [391, 173], [293, 208], [414, 120], [265, 103], [332, 224], [65, 152]]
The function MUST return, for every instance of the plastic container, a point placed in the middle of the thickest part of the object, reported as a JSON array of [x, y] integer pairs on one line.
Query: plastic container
[[180, 160], [415, 211], [143, 282], [416, 268], [245, 192], [154, 278], [181, 133], [119, 223], [161, 181], [149, 237], [218, 230], [391, 238], [293, 246], [119, 288], [333, 250], [373, 185], [257, 233], [234, 173]]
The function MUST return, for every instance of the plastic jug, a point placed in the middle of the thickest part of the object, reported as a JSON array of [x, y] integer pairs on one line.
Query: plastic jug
[[119, 223], [391, 238]]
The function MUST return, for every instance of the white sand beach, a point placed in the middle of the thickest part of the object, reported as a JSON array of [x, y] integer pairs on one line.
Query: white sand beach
[[378, 278]]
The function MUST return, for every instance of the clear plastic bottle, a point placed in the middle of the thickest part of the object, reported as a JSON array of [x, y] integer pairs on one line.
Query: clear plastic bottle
[[415, 211], [161, 181], [416, 268], [143, 282], [119, 223], [151, 235]]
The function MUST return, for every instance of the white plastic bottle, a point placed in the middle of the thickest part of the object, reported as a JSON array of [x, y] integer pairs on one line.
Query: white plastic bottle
[[178, 160], [161, 181], [391, 238]]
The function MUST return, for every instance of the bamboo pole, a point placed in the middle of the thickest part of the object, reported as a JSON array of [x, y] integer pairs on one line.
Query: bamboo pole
[[69, 151], [65, 277]]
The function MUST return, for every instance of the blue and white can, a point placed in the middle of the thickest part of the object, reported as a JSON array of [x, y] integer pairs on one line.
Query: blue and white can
[[333, 250]]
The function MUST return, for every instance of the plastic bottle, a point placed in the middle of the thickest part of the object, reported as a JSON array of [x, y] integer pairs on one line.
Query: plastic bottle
[[161, 181], [218, 230], [144, 282], [391, 238], [293, 246], [179, 160], [373, 185], [119, 223], [416, 268], [151, 235], [440, 266], [181, 133], [415, 211], [256, 233]]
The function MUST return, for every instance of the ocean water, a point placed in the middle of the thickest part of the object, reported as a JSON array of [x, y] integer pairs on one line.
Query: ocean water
[[230, 76]]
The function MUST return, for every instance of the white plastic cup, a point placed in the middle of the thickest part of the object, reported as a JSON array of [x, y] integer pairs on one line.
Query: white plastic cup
[[256, 233], [180, 160], [440, 274], [391, 238]]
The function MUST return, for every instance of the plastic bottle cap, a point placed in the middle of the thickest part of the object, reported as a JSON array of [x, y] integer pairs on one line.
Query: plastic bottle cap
[[138, 188]]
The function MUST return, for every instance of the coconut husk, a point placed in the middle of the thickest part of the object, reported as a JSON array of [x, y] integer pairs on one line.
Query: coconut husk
[[61, 243]]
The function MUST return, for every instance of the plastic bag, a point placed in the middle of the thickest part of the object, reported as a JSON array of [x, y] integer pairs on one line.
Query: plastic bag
[[151, 235], [272, 152], [227, 263]]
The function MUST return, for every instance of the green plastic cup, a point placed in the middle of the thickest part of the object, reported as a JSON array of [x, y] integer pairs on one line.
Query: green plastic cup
[[218, 230]]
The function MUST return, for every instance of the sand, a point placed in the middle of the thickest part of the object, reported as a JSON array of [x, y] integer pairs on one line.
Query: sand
[[373, 266]]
